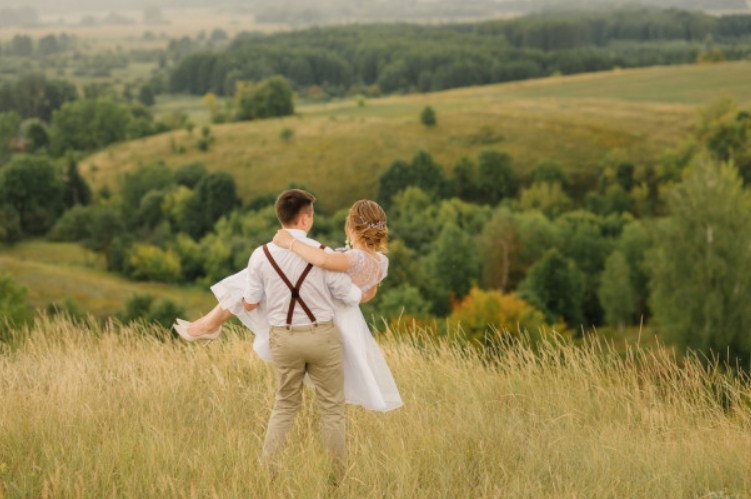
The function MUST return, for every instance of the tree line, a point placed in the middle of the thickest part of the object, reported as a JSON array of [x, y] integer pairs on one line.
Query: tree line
[[405, 58]]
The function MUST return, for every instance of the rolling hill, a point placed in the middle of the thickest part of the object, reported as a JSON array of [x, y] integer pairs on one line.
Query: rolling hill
[[339, 149]]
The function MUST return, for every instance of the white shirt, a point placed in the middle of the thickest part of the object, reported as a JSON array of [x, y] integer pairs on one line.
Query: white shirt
[[318, 290]]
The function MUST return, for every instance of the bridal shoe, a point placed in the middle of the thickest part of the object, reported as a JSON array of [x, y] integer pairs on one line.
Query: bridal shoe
[[181, 327]]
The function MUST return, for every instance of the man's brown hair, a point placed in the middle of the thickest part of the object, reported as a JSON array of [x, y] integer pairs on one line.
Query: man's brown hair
[[291, 203]]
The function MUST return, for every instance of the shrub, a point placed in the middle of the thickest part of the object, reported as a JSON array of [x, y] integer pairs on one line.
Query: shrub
[[149, 262], [481, 314], [427, 117]]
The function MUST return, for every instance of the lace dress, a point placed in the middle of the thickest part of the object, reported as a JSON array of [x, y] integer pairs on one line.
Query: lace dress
[[367, 378]]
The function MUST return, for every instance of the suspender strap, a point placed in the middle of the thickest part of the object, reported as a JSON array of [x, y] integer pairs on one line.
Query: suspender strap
[[294, 290]]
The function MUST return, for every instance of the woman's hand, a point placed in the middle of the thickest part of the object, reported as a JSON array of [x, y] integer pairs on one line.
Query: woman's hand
[[283, 238]]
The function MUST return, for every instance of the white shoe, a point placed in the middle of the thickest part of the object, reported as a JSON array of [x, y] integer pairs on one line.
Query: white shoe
[[181, 327]]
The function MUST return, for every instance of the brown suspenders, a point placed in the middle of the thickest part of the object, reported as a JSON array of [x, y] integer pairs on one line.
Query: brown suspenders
[[294, 290]]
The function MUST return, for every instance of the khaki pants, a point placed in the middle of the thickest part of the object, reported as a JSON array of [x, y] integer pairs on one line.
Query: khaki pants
[[316, 350]]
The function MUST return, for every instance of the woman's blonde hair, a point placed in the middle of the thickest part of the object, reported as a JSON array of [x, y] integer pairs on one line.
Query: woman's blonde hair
[[367, 220]]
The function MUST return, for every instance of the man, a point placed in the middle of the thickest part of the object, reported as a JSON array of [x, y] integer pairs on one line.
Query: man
[[299, 303]]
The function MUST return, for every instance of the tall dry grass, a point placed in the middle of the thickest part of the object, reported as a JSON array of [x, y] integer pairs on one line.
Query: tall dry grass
[[104, 411]]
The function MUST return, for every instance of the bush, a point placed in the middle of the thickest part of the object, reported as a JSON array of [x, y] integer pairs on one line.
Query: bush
[[14, 311], [145, 308], [481, 314], [151, 263], [427, 117]]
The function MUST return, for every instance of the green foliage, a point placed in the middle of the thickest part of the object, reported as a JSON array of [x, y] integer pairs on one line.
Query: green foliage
[[144, 307], [34, 96], [37, 135], [556, 287], [190, 174], [495, 177], [77, 190], [136, 184], [206, 139], [68, 308], [269, 98], [548, 172], [149, 262], [427, 117], [286, 134], [404, 300], [89, 124], [14, 311], [546, 197], [701, 264], [616, 293], [408, 58], [9, 123], [422, 172], [10, 224], [32, 186], [453, 263]]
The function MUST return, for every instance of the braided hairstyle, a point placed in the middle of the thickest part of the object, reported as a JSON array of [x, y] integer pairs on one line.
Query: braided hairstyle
[[367, 220]]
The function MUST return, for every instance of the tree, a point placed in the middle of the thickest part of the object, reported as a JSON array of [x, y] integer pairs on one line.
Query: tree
[[136, 184], [148, 262], [37, 135], [269, 98], [453, 264], [34, 188], [422, 172], [217, 196], [89, 124], [9, 123], [77, 190], [616, 293], [404, 300], [427, 117], [495, 177], [701, 264], [556, 287], [146, 95]]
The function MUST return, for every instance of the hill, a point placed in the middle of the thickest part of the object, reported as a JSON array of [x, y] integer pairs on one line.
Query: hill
[[339, 149], [116, 412], [55, 271]]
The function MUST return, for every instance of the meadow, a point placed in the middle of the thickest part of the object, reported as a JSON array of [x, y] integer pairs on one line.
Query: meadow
[[338, 149], [111, 411], [52, 272]]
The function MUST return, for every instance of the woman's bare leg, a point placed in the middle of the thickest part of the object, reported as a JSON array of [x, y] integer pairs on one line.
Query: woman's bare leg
[[209, 322]]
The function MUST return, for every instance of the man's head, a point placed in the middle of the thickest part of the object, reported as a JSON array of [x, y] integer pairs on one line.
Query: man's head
[[294, 209]]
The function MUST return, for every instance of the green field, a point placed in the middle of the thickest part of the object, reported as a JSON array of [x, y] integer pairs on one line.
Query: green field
[[338, 149], [53, 272]]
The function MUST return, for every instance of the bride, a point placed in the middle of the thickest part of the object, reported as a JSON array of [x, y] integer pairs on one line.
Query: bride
[[367, 379]]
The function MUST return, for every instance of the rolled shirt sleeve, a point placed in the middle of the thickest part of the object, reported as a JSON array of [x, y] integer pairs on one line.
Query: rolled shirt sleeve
[[342, 288], [253, 290]]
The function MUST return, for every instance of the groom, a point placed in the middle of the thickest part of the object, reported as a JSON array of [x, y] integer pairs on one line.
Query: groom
[[299, 301]]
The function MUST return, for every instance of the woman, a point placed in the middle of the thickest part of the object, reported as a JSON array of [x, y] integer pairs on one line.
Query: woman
[[367, 379]]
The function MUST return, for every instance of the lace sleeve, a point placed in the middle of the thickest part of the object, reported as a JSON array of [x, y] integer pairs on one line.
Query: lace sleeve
[[365, 270]]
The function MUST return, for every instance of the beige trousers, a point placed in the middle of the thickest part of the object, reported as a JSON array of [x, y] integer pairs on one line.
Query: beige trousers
[[317, 350]]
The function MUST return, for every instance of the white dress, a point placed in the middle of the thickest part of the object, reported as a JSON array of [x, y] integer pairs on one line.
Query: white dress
[[367, 379]]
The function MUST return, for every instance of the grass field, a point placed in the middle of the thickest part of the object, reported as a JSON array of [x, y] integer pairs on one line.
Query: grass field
[[338, 149], [52, 272], [117, 413]]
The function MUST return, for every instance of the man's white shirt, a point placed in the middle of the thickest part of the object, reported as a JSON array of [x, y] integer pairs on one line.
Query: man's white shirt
[[318, 291]]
